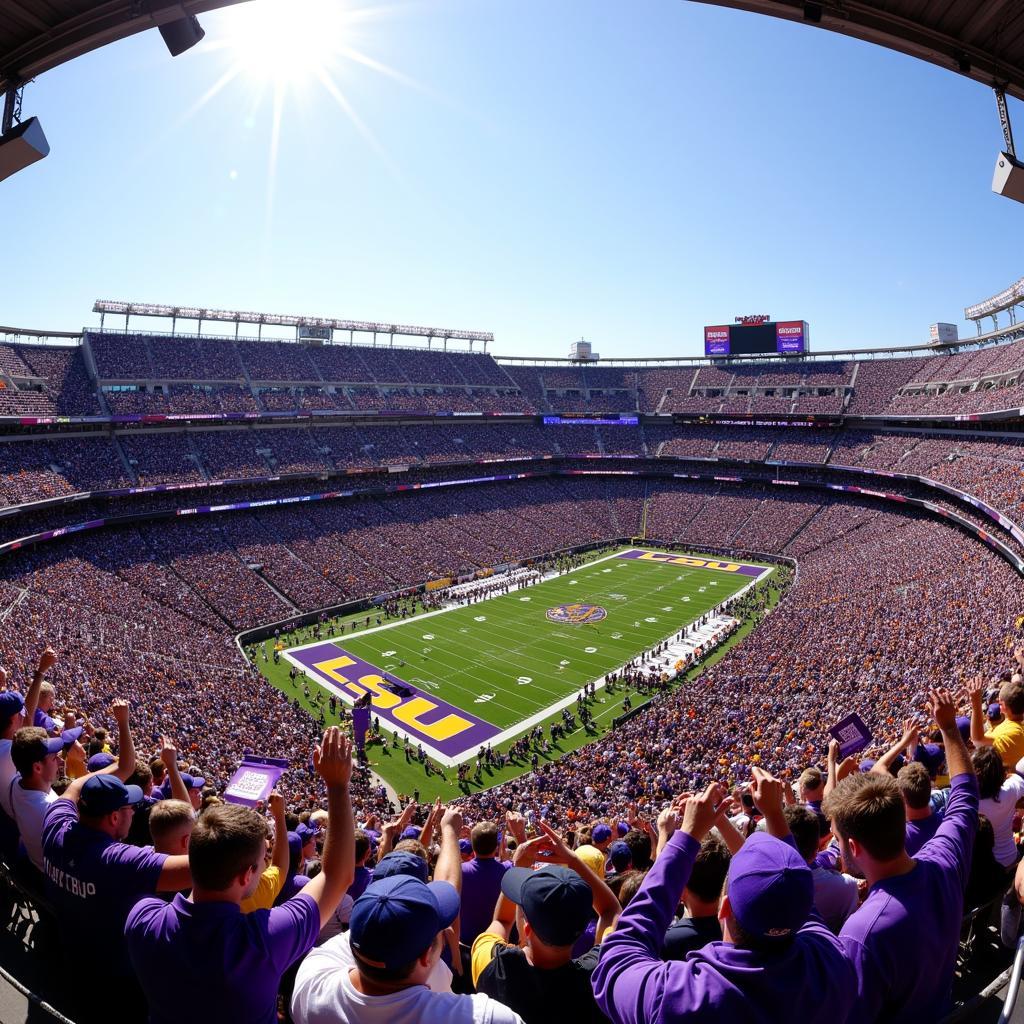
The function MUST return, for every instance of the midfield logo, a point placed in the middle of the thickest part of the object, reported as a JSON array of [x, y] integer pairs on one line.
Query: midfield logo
[[576, 613]]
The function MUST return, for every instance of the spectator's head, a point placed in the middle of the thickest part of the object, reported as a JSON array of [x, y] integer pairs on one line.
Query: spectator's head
[[47, 694], [403, 862], [601, 836], [803, 826], [466, 850], [37, 757], [100, 760], [158, 770], [812, 785], [995, 713], [991, 772], [621, 856], [555, 904], [307, 836], [626, 886], [108, 805], [397, 927], [363, 847], [12, 713], [710, 869], [226, 851], [194, 784], [142, 777], [170, 824], [769, 894], [1011, 698], [593, 858], [639, 844], [869, 820], [915, 785], [484, 838]]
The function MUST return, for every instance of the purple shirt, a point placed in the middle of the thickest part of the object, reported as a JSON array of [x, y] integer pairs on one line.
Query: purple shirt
[[93, 882], [920, 831], [481, 886], [807, 979], [364, 876], [231, 962], [903, 940]]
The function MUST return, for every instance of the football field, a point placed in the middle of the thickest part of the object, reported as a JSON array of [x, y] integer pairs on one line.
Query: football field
[[483, 673]]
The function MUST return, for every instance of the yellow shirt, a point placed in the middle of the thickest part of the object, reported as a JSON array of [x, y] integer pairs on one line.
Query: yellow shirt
[[1008, 741], [483, 952], [265, 893]]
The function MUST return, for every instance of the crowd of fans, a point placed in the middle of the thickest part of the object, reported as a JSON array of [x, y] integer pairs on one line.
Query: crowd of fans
[[227, 375]]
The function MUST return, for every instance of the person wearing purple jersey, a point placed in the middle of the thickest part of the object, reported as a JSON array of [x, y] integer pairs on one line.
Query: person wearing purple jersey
[[913, 903], [777, 960]]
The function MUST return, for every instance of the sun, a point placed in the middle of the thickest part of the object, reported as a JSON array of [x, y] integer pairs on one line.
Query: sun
[[288, 42]]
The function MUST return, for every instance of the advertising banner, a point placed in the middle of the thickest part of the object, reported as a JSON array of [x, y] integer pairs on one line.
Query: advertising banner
[[255, 779], [716, 341]]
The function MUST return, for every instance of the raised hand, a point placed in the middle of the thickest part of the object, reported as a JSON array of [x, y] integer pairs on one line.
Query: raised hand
[[119, 709], [332, 758], [561, 853], [452, 818], [701, 811], [168, 753], [942, 708], [976, 689], [275, 802], [47, 660], [668, 821], [833, 750], [516, 825], [525, 855], [767, 791]]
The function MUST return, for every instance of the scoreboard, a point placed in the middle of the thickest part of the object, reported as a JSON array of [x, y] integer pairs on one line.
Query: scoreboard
[[772, 337]]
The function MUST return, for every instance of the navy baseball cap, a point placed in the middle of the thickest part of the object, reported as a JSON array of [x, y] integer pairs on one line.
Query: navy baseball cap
[[192, 781], [397, 919], [98, 762], [104, 794], [994, 710], [601, 833], [465, 846], [401, 863], [11, 703], [556, 901], [770, 887], [620, 855]]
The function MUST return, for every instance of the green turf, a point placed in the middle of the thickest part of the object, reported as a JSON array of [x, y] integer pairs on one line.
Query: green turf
[[504, 660], [516, 639]]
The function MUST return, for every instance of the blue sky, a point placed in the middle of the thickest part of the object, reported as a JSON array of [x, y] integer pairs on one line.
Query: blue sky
[[545, 169]]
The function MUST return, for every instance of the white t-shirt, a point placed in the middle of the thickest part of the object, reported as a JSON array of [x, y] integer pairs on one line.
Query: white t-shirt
[[324, 994], [1000, 813], [7, 773], [29, 809], [339, 949]]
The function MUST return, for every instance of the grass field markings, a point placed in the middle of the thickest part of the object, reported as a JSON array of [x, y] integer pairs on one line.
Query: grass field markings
[[479, 618], [525, 599], [590, 650]]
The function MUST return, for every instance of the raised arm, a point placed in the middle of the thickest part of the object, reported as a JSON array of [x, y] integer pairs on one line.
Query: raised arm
[[279, 853], [768, 794], [606, 906], [449, 860], [125, 743], [883, 766], [332, 760], [169, 756], [46, 661], [976, 691]]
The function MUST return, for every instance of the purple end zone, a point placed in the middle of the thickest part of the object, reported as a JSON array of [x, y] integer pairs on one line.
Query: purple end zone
[[738, 568], [439, 726]]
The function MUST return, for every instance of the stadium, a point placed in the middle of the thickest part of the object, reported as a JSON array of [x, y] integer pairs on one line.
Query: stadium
[[549, 599]]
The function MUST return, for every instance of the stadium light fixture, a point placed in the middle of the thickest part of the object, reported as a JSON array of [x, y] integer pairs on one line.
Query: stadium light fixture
[[181, 35], [1008, 179]]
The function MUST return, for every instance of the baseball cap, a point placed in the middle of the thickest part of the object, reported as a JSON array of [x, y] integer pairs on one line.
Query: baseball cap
[[192, 781], [592, 857], [412, 832], [11, 702], [294, 846], [396, 919], [555, 900], [621, 855], [98, 762], [994, 710], [770, 887], [401, 863], [69, 736], [963, 723], [103, 794], [307, 833], [601, 833], [622, 828], [50, 745], [465, 846]]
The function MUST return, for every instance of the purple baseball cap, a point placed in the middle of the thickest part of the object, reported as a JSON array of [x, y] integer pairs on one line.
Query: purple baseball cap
[[70, 736], [307, 833], [11, 703], [770, 888], [465, 846], [412, 832], [98, 762], [994, 710], [963, 723], [601, 833], [397, 919], [622, 828]]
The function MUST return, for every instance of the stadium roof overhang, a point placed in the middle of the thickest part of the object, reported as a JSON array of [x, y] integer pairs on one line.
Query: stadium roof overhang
[[983, 39], [37, 35]]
